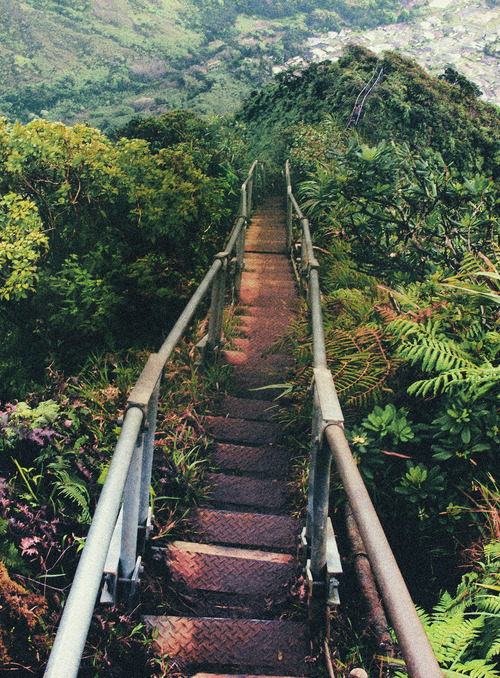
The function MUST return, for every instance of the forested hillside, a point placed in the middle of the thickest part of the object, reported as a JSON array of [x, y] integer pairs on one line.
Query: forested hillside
[[404, 207], [105, 61], [104, 237]]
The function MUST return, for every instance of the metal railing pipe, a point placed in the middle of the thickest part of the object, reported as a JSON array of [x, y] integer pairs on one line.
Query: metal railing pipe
[[289, 218], [417, 652], [319, 347], [72, 633], [180, 326], [235, 234], [217, 306]]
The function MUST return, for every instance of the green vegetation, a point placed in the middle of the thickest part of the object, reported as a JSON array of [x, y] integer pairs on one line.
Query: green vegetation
[[103, 239], [404, 212], [104, 62]]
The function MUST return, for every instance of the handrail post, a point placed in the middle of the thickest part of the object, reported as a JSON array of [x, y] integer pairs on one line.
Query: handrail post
[[289, 217], [131, 499], [217, 306], [244, 209], [147, 465], [239, 260], [250, 192]]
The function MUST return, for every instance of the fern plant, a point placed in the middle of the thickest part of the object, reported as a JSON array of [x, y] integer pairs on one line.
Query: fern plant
[[428, 347], [464, 630]]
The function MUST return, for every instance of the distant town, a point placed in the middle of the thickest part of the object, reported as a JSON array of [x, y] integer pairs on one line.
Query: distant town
[[462, 34]]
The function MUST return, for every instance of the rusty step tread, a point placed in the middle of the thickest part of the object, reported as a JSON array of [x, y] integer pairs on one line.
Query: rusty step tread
[[258, 344], [265, 459], [245, 529], [232, 429], [243, 408], [254, 279], [273, 299], [282, 646], [241, 491], [228, 569], [233, 605], [255, 360], [258, 383], [232, 675]]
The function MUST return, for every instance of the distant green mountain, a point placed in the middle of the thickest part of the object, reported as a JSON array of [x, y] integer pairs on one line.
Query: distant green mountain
[[104, 61], [442, 114]]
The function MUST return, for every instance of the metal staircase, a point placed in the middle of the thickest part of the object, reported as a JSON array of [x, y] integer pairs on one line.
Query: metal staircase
[[244, 557], [241, 563]]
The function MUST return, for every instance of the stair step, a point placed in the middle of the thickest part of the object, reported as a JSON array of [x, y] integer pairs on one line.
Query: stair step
[[246, 529], [231, 675], [227, 569], [268, 298], [233, 605], [269, 460], [240, 492], [262, 385], [256, 361], [279, 646], [229, 429], [243, 408]]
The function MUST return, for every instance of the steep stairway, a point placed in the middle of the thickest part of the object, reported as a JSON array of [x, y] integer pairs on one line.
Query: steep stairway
[[241, 564]]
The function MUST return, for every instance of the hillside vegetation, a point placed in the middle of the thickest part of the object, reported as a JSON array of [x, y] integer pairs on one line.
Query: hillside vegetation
[[104, 237], [404, 209], [103, 61]]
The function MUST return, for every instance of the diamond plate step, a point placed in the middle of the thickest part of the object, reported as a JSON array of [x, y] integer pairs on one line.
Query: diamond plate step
[[242, 431], [228, 570], [269, 460], [248, 380], [231, 675], [279, 646], [245, 529], [243, 408], [241, 492]]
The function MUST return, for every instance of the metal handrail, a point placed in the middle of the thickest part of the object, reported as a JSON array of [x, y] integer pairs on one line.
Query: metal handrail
[[121, 522], [329, 443]]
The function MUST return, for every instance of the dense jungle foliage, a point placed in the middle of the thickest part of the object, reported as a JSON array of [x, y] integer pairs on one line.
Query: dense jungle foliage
[[104, 238], [102, 241], [404, 210], [104, 61]]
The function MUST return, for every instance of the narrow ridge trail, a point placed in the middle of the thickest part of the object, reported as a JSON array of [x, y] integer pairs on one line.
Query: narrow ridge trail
[[239, 572]]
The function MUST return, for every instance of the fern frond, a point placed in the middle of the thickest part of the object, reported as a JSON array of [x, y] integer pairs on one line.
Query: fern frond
[[494, 649], [359, 365], [488, 603], [439, 384], [75, 490]]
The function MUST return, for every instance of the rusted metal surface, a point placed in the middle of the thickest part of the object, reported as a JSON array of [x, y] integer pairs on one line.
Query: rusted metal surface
[[242, 431], [259, 410], [361, 563], [269, 460], [254, 492], [280, 646], [232, 675], [245, 529], [227, 569]]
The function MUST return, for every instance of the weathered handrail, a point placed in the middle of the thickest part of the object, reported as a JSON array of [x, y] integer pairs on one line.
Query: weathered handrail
[[121, 522], [329, 442]]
